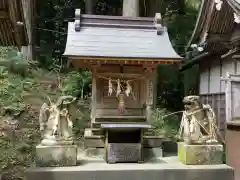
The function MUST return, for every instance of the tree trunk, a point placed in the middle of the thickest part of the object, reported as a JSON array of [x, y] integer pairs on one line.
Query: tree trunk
[[130, 8], [155, 6], [89, 6]]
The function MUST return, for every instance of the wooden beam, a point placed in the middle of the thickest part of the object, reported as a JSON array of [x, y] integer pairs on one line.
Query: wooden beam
[[218, 37], [228, 37], [3, 14], [104, 60], [122, 75]]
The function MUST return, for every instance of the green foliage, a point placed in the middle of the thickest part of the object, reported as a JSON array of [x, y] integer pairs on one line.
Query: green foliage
[[170, 91], [81, 122], [12, 85], [164, 124], [75, 82]]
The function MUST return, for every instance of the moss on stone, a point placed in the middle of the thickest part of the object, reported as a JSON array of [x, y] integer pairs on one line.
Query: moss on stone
[[200, 154], [65, 161]]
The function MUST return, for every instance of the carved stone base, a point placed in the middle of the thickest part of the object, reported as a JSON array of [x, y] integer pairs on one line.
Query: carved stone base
[[56, 155], [124, 152], [200, 154]]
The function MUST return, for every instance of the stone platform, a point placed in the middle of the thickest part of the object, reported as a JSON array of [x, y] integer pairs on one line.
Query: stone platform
[[148, 153], [200, 154], [168, 168], [56, 155]]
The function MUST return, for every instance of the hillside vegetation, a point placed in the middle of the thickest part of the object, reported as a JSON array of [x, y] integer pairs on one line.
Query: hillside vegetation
[[23, 89]]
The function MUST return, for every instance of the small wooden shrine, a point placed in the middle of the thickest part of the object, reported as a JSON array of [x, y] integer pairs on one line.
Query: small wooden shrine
[[122, 54]]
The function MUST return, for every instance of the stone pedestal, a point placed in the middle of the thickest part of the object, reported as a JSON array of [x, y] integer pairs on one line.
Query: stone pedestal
[[124, 152], [200, 154], [56, 155]]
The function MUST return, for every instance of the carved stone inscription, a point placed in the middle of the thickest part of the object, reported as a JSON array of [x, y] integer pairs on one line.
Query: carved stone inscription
[[124, 152]]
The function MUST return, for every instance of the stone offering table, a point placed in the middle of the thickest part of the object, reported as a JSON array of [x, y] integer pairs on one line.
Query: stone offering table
[[124, 142]]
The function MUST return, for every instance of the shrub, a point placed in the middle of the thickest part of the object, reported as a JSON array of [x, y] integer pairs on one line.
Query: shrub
[[165, 124]]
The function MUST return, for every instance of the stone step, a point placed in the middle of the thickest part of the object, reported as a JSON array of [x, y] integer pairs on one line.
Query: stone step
[[98, 131], [91, 140], [98, 141], [149, 132], [95, 131], [94, 141], [121, 119]]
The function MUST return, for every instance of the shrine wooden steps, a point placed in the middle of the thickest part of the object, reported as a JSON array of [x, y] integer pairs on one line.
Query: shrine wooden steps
[[99, 131], [97, 124], [94, 138], [121, 119]]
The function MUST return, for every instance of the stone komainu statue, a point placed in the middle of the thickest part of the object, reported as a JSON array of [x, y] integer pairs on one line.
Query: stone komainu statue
[[198, 124], [54, 119]]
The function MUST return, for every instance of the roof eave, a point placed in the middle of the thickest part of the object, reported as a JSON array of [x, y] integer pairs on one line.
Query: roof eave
[[122, 58], [194, 61]]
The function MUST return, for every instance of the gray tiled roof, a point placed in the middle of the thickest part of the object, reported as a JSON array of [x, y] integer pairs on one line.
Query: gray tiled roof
[[122, 42]]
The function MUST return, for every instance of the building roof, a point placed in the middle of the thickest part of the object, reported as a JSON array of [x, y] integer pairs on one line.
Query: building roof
[[235, 4], [210, 26], [118, 37], [12, 29], [212, 22]]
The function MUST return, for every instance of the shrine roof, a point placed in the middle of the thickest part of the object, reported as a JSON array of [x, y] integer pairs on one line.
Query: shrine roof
[[118, 37]]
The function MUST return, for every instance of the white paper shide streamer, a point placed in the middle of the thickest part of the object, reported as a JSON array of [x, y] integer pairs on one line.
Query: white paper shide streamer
[[219, 7], [110, 87], [218, 4], [236, 18], [129, 89]]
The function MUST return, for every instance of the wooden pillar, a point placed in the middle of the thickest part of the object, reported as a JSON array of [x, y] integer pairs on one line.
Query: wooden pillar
[[27, 51], [94, 95], [154, 79], [228, 97], [149, 93], [154, 7], [130, 8]]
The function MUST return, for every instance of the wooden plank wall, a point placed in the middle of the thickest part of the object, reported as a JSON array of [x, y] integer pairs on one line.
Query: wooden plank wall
[[211, 73], [217, 102], [212, 89]]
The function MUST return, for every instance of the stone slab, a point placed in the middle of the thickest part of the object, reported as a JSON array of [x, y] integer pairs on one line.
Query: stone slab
[[200, 154], [56, 155], [165, 170], [148, 153], [124, 152]]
